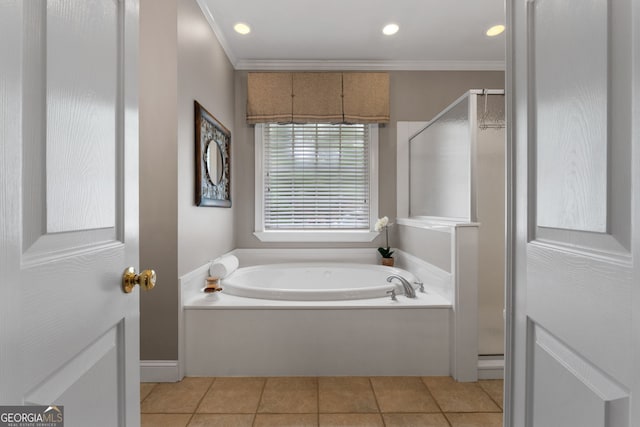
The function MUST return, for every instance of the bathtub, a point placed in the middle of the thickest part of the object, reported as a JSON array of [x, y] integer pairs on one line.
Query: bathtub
[[298, 318], [314, 281]]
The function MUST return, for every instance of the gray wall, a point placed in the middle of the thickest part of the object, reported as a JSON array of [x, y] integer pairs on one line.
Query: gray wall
[[158, 177], [181, 60], [415, 95], [206, 75], [490, 173]]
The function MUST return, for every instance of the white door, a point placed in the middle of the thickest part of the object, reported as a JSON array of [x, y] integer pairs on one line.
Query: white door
[[575, 76], [69, 208]]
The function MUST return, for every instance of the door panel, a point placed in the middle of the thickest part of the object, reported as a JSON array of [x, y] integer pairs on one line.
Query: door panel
[[85, 395], [72, 378], [572, 80], [81, 96], [78, 223], [567, 390], [578, 297], [570, 97]]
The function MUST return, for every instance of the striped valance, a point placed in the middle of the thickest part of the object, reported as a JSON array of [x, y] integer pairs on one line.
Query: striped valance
[[310, 97]]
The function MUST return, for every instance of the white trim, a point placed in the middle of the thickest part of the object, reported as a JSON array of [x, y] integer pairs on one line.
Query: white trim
[[218, 32], [258, 193], [510, 218], [491, 368], [405, 131], [159, 371], [314, 236], [435, 223], [373, 175], [351, 65], [473, 155]]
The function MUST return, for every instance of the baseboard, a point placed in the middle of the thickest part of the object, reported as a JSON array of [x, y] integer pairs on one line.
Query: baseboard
[[159, 371], [491, 368]]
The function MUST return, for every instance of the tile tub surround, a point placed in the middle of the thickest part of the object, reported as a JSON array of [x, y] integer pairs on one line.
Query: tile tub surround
[[322, 401]]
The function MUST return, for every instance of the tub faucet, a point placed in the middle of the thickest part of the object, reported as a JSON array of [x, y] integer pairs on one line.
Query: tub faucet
[[409, 292]]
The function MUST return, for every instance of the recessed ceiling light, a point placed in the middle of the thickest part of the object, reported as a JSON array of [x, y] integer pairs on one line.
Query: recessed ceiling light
[[242, 28], [495, 30], [390, 29]]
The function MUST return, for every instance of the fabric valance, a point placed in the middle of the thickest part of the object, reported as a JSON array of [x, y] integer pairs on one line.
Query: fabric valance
[[366, 97], [316, 97], [269, 97]]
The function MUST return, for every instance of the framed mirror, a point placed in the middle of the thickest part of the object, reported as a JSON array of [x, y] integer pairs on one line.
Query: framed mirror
[[213, 160]]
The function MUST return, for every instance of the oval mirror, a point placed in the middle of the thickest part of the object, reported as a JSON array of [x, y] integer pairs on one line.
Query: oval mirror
[[213, 161]]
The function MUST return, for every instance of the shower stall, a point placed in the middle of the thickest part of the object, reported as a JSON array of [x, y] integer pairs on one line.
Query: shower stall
[[457, 174]]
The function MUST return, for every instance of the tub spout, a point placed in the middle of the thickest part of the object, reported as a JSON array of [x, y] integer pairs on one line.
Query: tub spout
[[409, 292]]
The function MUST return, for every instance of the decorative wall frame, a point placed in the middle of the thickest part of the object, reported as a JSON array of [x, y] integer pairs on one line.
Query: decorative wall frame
[[213, 160]]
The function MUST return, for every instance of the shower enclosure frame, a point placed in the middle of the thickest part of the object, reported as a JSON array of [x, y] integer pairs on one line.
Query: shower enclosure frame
[[471, 98]]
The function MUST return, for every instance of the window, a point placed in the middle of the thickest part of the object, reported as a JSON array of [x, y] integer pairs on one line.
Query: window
[[316, 182]]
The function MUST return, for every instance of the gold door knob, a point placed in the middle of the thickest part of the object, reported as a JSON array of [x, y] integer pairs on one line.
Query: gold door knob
[[146, 280]]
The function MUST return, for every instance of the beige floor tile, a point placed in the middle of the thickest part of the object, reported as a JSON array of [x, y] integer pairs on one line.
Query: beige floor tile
[[145, 389], [232, 396], [290, 395], [222, 420], [475, 420], [403, 394], [286, 420], [415, 420], [495, 389], [176, 398], [453, 396], [165, 420], [351, 420], [346, 394]]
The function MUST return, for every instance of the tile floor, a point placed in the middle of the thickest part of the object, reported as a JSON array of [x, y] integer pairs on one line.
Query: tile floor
[[322, 401]]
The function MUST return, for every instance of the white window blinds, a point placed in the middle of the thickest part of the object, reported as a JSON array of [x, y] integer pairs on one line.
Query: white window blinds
[[316, 177]]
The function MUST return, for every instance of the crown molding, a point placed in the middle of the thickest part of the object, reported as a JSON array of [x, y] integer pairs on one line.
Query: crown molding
[[218, 32], [382, 65]]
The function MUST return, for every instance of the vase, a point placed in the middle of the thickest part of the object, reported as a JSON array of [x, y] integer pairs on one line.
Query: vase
[[388, 262]]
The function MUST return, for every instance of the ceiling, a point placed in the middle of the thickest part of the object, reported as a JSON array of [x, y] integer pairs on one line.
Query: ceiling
[[347, 34]]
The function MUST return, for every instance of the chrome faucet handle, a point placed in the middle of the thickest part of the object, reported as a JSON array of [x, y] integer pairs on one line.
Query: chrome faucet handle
[[393, 294], [421, 286], [409, 292]]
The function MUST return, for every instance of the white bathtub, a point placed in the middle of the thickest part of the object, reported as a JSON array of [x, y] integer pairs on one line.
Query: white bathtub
[[301, 318], [280, 330], [314, 281]]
